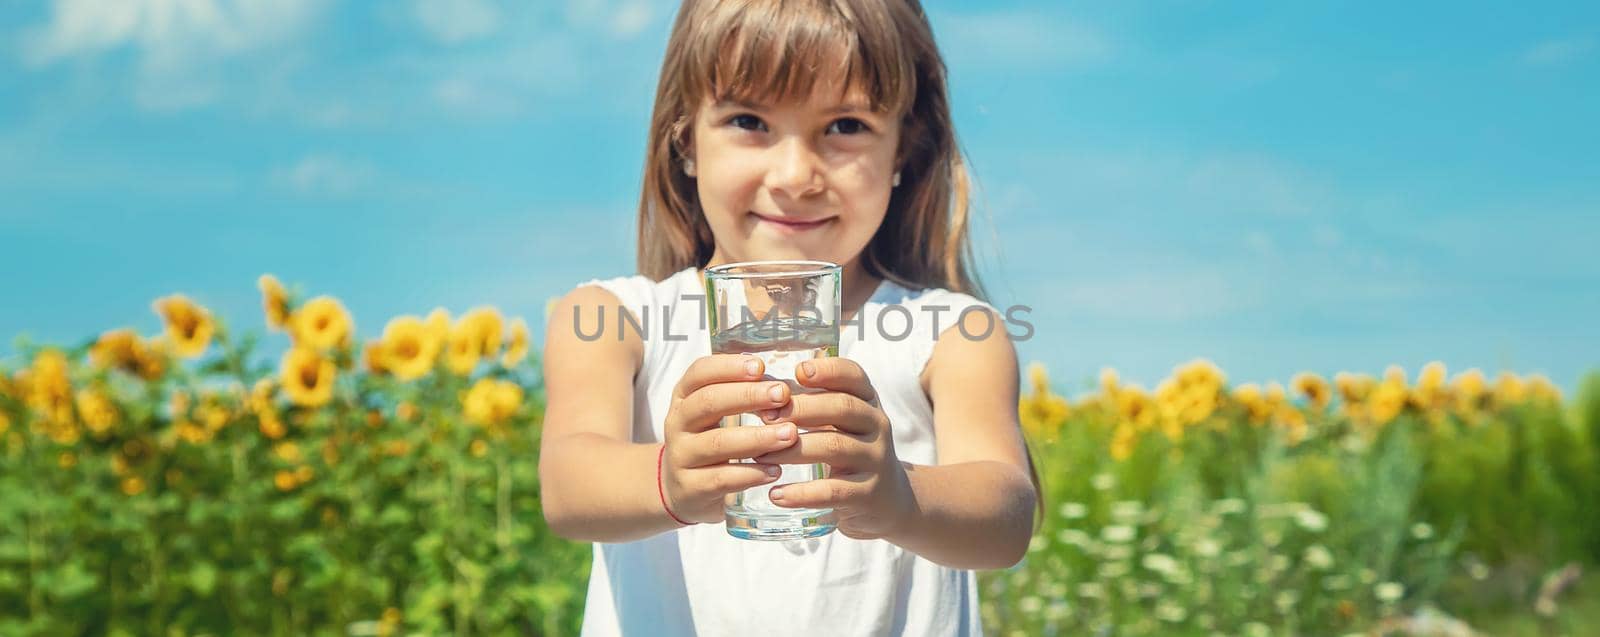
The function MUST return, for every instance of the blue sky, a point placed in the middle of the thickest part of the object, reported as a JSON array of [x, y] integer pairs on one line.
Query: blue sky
[[1275, 186]]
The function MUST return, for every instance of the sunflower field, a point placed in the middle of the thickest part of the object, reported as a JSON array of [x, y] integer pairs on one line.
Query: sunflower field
[[180, 484]]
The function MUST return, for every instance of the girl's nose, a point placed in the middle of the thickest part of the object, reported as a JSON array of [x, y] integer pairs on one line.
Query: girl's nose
[[795, 169]]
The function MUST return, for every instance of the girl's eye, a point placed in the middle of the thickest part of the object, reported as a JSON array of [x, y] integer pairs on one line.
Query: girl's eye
[[848, 126], [746, 122]]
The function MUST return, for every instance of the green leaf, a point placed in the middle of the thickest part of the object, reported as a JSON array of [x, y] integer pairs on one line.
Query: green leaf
[[203, 578], [71, 581]]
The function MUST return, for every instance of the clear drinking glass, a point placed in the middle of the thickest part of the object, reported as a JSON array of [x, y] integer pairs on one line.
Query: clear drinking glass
[[782, 312]]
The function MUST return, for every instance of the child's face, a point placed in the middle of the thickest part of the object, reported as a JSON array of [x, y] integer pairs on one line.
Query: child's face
[[825, 165]]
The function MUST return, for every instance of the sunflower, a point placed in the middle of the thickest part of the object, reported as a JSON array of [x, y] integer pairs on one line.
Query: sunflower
[[116, 349], [1395, 374], [1387, 400], [487, 326], [133, 485], [188, 325], [1249, 395], [372, 358], [1542, 389], [1038, 378], [1136, 407], [96, 411], [307, 377], [321, 324], [1292, 422], [1274, 393], [1469, 387], [45, 383], [1509, 390], [153, 357], [1109, 381], [408, 349], [289, 452], [1430, 390], [1200, 371], [462, 349], [1042, 415], [1353, 388], [438, 322], [261, 404], [517, 349], [491, 402], [1313, 387], [274, 301]]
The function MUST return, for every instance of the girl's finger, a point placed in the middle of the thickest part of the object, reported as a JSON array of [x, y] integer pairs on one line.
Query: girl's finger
[[729, 478], [705, 408], [717, 368], [846, 412], [718, 446], [842, 452], [841, 491], [836, 374]]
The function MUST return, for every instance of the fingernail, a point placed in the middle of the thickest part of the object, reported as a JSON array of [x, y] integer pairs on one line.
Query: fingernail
[[770, 414], [772, 472], [805, 368], [777, 494], [776, 392], [785, 433], [751, 367]]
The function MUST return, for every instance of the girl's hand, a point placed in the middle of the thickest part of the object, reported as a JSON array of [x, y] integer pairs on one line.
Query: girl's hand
[[867, 486], [695, 472]]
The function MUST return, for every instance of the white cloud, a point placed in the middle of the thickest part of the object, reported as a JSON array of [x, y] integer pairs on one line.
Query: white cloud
[[622, 19], [325, 175], [1261, 243], [631, 18], [179, 44], [1019, 38], [1555, 52], [1175, 297], [505, 81], [1145, 182], [1326, 236], [457, 21], [253, 57]]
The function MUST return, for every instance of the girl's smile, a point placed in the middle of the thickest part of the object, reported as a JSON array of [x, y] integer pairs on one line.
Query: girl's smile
[[786, 225]]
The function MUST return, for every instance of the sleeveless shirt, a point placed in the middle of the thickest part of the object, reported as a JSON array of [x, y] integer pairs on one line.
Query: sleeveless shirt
[[700, 580]]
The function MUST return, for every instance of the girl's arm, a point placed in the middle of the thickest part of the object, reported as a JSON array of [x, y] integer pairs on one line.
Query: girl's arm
[[594, 483], [975, 508]]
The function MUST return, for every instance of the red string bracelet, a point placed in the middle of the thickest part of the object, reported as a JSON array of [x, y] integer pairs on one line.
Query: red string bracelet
[[663, 492]]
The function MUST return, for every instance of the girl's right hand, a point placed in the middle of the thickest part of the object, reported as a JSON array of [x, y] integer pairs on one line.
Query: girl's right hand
[[695, 470]]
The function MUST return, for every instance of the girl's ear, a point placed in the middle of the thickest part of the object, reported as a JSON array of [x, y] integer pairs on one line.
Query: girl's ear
[[683, 142]]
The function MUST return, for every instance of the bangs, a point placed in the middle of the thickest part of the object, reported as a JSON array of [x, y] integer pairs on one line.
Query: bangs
[[772, 51]]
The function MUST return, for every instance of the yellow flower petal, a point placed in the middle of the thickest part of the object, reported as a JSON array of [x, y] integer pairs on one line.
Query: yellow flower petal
[[321, 324], [408, 348], [518, 348], [307, 377], [274, 301], [188, 325]]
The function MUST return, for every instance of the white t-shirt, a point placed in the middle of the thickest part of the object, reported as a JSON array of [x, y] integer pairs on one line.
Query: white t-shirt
[[699, 579]]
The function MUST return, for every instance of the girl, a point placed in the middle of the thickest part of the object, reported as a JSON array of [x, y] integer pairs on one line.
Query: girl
[[785, 129]]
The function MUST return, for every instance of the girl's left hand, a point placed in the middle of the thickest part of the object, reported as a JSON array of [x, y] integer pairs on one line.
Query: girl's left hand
[[866, 486]]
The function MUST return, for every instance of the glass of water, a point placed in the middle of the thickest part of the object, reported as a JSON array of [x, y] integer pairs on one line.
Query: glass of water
[[783, 312]]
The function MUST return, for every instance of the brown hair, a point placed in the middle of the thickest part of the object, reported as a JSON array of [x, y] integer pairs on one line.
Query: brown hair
[[889, 53]]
